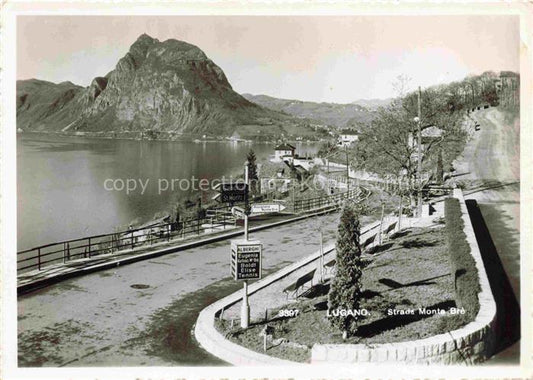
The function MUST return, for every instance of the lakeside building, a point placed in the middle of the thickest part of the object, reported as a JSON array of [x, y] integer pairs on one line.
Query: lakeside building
[[305, 162], [279, 184], [283, 150], [347, 139]]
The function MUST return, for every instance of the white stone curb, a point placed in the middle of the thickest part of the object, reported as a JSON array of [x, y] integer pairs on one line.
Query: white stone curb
[[215, 343]]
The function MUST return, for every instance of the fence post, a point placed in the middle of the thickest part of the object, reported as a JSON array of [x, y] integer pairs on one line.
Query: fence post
[[131, 239], [39, 258], [168, 232], [380, 240], [400, 214], [151, 236], [224, 220], [89, 248], [64, 252]]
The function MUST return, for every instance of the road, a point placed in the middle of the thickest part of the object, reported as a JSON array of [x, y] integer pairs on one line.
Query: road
[[101, 320], [490, 167]]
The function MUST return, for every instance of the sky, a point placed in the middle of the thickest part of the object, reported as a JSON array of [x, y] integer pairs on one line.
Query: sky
[[316, 58]]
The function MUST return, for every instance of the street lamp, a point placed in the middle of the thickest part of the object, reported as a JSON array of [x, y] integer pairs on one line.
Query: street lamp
[[417, 120]]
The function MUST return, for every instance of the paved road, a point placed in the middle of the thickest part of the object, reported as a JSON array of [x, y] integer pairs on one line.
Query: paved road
[[100, 320], [491, 166]]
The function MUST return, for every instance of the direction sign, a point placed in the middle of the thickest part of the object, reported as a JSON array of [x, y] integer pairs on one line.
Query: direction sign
[[266, 208], [232, 191], [246, 259], [237, 212]]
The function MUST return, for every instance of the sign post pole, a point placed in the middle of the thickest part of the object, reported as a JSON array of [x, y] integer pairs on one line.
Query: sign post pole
[[245, 309], [246, 211]]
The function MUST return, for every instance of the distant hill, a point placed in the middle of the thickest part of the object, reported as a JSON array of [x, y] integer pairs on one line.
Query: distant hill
[[157, 86], [373, 104], [339, 115]]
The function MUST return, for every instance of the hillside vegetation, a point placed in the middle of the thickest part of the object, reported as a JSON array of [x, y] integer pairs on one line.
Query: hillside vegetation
[[339, 115]]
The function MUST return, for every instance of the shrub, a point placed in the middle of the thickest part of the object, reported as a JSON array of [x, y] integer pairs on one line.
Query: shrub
[[463, 266], [345, 291]]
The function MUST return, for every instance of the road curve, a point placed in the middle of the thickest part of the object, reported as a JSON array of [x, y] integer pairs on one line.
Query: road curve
[[490, 169]]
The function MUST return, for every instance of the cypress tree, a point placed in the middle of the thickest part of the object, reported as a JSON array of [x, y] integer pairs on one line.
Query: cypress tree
[[345, 291], [252, 171]]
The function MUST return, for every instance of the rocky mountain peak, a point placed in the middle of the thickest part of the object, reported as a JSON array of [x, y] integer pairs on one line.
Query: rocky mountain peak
[[159, 86], [140, 47]]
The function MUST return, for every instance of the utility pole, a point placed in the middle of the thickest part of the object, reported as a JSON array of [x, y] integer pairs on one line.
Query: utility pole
[[419, 205], [347, 172]]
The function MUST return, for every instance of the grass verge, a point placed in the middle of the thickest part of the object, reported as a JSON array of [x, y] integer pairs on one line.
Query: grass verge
[[407, 290]]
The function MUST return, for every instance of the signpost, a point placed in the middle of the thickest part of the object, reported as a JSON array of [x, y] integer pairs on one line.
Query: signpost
[[245, 254], [246, 259], [246, 265]]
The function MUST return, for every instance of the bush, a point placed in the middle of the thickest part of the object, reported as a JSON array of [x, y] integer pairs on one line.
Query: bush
[[463, 266]]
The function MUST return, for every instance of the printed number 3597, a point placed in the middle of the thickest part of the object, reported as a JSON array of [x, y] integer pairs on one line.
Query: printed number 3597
[[288, 312]]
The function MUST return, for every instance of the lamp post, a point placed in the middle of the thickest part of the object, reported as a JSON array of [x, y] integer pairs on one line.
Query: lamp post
[[419, 148]]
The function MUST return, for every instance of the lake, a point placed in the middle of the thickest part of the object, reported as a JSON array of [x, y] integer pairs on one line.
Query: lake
[[70, 187]]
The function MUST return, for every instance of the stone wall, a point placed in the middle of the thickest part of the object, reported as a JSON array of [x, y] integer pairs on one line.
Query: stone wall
[[471, 344]]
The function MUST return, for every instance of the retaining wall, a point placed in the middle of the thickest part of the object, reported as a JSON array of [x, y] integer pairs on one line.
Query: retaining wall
[[471, 344]]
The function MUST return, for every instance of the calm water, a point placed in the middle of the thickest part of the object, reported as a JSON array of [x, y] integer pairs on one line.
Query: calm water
[[61, 181]]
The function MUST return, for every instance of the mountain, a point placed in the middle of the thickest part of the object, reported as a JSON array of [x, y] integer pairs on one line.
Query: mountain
[[41, 100], [340, 115], [157, 86]]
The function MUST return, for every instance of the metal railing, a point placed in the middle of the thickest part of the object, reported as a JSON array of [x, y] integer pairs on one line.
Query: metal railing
[[87, 247], [303, 205], [215, 219]]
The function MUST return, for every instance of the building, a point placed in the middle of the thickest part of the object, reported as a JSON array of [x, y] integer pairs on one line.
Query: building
[[235, 136], [283, 150], [277, 184], [428, 136], [508, 88], [431, 133], [347, 139]]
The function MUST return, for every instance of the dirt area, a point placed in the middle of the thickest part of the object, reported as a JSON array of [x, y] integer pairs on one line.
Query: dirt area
[[406, 274]]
